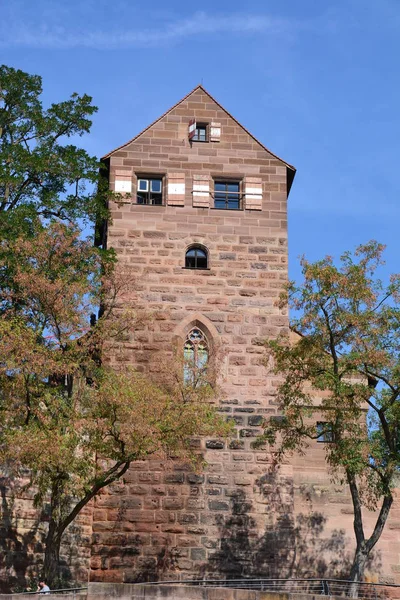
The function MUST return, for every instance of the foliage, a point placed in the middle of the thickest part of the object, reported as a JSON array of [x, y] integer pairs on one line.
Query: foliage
[[72, 421], [66, 417], [40, 174], [344, 370]]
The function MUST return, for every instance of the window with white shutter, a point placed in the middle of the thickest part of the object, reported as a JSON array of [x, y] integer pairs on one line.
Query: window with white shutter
[[149, 190], [227, 195]]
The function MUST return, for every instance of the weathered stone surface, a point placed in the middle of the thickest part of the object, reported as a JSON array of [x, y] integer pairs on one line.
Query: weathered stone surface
[[228, 301], [215, 444]]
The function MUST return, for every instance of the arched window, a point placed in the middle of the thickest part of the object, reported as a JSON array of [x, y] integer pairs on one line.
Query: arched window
[[196, 258], [196, 355]]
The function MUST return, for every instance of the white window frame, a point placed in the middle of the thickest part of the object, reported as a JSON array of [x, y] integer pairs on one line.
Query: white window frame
[[147, 185]]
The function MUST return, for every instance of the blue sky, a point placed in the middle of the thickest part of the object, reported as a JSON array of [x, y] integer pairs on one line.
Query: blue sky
[[318, 82]]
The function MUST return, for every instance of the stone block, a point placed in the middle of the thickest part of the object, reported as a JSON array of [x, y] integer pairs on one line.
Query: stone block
[[218, 505], [215, 444]]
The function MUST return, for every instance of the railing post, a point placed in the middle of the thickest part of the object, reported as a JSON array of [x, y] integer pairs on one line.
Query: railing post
[[328, 591]]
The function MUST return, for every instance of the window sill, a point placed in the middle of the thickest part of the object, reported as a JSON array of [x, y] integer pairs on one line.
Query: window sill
[[196, 268], [226, 209], [140, 204]]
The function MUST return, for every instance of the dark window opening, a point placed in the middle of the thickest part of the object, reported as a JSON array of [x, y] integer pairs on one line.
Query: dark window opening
[[200, 134], [325, 432], [227, 195], [196, 258], [149, 191]]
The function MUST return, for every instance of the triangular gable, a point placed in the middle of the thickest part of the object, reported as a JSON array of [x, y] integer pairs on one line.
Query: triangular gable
[[290, 168]]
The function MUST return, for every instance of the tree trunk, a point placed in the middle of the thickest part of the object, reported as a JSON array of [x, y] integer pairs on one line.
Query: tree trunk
[[357, 569], [364, 546], [51, 564], [57, 525]]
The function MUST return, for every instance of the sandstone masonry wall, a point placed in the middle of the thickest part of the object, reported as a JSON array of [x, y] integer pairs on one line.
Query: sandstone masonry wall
[[238, 517], [162, 522]]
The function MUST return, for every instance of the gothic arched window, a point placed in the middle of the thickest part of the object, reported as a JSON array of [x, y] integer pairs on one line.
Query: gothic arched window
[[196, 355], [196, 258]]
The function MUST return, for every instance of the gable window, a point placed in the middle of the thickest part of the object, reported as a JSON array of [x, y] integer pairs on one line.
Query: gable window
[[195, 354], [200, 134], [227, 195], [325, 432], [149, 191], [196, 258]]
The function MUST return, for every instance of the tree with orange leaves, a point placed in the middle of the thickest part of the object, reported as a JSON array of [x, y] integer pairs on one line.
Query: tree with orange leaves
[[348, 358], [69, 420]]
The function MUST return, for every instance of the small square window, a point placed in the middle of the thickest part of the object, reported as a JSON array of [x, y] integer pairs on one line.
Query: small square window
[[227, 195], [149, 191], [200, 134], [325, 432]]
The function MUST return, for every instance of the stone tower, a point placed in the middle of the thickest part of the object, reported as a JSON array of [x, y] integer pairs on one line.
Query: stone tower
[[203, 224]]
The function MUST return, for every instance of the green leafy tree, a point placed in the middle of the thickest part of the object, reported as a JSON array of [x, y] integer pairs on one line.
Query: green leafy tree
[[73, 423], [345, 368], [41, 175]]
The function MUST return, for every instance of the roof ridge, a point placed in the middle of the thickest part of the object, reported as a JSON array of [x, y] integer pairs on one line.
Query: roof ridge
[[153, 122], [201, 87], [245, 129]]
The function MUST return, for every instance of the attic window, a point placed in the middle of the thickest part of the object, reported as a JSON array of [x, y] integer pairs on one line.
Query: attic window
[[200, 134]]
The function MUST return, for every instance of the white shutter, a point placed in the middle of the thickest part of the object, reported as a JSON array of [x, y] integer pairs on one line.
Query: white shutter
[[176, 189], [253, 193], [123, 181], [192, 128], [215, 132], [201, 191]]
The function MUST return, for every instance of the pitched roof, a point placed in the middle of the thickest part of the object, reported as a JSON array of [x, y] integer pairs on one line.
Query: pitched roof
[[200, 87]]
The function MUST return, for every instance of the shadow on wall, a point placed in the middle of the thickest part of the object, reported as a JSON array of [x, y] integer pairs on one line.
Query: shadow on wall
[[16, 548], [22, 532], [290, 547], [119, 547], [257, 535]]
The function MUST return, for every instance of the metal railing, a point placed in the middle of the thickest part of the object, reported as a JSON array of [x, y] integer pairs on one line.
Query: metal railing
[[321, 587], [39, 593]]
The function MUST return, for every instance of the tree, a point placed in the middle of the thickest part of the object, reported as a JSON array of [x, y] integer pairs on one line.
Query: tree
[[74, 423], [346, 369], [41, 175]]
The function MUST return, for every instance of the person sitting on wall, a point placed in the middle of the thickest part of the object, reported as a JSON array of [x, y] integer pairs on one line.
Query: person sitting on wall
[[43, 588]]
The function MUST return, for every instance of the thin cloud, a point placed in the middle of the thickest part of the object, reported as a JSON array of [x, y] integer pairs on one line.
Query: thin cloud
[[58, 36]]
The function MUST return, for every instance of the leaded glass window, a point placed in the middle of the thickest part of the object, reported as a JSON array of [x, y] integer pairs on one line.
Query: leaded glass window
[[196, 355]]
